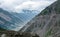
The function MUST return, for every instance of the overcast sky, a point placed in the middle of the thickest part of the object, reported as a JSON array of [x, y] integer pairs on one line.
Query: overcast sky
[[17, 5]]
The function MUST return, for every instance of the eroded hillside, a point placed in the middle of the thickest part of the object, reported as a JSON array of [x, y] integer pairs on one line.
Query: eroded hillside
[[47, 23]]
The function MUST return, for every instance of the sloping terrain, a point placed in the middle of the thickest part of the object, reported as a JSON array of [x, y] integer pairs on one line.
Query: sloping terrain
[[47, 23]]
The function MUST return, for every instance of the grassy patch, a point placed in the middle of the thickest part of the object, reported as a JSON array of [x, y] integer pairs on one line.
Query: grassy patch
[[48, 33]]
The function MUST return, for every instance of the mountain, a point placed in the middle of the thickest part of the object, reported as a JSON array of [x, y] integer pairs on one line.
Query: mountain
[[47, 23], [26, 14], [8, 20], [15, 21]]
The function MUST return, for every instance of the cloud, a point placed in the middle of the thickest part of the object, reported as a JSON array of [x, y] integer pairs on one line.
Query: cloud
[[17, 5], [33, 5], [9, 4]]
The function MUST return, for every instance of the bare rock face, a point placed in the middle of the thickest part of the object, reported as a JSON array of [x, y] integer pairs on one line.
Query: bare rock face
[[47, 23]]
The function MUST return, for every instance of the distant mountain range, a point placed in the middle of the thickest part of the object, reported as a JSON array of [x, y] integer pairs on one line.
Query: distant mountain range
[[13, 20], [8, 19]]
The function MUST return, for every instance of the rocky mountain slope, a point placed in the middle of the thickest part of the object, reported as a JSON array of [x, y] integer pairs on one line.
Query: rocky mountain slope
[[47, 23]]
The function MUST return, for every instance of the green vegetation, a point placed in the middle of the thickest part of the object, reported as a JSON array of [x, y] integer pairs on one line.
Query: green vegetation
[[58, 6], [57, 9], [48, 10], [48, 33], [44, 12]]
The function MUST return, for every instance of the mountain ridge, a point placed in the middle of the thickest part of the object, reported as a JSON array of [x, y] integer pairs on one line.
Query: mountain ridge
[[46, 24]]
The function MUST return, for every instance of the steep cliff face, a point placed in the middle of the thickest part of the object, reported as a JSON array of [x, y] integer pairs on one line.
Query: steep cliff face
[[47, 23]]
